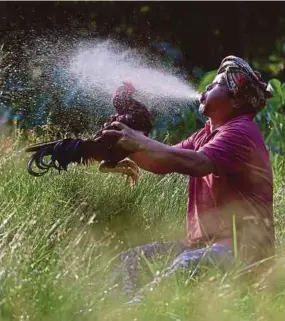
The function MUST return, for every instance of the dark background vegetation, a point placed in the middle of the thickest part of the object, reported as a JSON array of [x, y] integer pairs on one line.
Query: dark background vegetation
[[205, 32]]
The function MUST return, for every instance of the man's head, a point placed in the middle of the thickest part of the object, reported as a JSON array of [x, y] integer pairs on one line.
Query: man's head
[[236, 89]]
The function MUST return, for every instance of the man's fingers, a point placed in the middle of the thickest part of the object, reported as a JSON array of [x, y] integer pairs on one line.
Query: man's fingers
[[119, 125], [111, 132]]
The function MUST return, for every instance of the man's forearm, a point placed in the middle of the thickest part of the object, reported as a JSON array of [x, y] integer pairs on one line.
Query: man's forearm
[[145, 162], [175, 159]]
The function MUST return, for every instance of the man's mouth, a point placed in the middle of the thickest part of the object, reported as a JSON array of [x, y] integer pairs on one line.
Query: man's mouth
[[202, 99]]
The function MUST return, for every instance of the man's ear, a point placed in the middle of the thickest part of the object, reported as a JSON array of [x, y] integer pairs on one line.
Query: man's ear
[[237, 102], [233, 102]]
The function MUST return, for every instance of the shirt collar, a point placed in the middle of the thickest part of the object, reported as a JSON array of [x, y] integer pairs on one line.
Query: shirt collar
[[244, 116]]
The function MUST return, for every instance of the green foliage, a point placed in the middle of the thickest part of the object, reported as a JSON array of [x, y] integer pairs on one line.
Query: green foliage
[[278, 91], [206, 79], [273, 63], [74, 121], [188, 122], [271, 120]]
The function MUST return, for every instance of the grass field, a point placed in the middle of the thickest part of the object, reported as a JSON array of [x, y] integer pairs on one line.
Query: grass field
[[59, 235]]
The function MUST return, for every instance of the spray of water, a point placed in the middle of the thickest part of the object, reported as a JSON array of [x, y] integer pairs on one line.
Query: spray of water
[[102, 67], [66, 72]]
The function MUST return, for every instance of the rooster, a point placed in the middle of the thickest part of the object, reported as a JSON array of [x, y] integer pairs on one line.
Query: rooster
[[100, 148]]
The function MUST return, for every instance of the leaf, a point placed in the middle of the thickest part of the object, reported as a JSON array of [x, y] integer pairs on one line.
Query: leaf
[[273, 58], [283, 91], [274, 86], [275, 102], [206, 80], [144, 9]]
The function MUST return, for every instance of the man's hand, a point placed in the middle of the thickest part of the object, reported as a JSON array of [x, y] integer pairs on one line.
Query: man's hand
[[129, 139]]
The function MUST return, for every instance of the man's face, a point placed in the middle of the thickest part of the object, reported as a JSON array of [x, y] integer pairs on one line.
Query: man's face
[[216, 98]]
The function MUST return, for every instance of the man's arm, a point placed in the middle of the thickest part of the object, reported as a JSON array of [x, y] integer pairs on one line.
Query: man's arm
[[146, 163], [160, 158]]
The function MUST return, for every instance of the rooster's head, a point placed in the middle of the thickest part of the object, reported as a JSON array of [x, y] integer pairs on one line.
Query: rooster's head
[[122, 97]]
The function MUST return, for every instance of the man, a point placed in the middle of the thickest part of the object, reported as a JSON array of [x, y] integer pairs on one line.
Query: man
[[230, 184]]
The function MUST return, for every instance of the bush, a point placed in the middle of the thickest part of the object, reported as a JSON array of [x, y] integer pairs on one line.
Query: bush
[[271, 120]]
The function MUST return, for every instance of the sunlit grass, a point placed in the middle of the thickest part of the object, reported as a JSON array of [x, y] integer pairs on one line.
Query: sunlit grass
[[60, 234]]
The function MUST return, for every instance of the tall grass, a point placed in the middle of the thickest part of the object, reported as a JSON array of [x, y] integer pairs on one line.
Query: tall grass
[[60, 234]]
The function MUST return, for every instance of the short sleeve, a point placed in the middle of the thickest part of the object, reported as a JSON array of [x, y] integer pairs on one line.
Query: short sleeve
[[187, 143], [231, 151]]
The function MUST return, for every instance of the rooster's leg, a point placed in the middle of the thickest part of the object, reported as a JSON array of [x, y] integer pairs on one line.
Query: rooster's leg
[[126, 167]]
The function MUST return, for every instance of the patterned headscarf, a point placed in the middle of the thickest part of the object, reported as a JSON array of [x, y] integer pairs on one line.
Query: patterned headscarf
[[243, 82]]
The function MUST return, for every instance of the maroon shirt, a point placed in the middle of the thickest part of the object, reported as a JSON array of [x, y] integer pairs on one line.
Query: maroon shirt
[[241, 187]]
